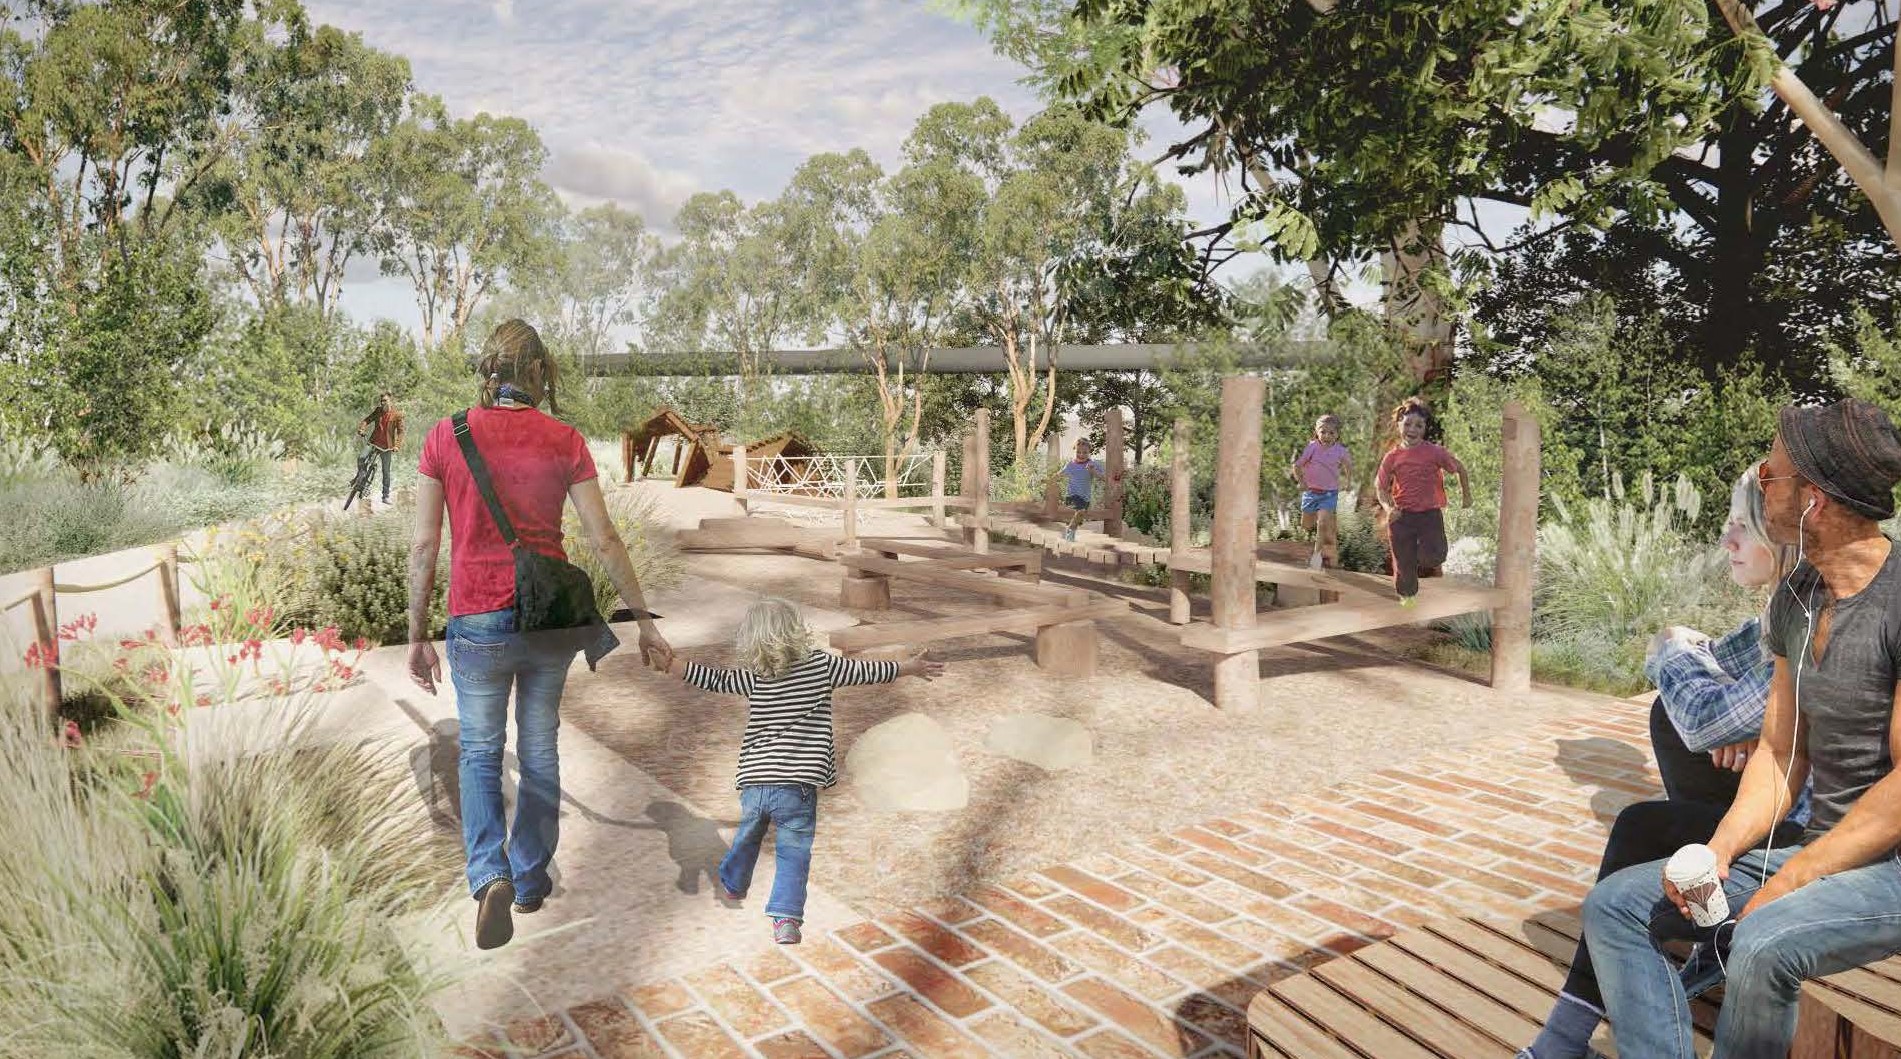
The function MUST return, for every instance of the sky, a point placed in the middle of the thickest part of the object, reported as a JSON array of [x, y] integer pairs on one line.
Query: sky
[[645, 102]]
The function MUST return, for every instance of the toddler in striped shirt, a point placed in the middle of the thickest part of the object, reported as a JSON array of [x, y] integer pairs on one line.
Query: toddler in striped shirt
[[785, 757]]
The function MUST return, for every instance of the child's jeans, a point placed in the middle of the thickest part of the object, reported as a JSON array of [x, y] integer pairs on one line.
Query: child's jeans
[[793, 809], [1419, 543]]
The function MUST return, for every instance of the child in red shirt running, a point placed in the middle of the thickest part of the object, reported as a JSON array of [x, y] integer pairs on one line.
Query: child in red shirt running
[[1412, 490]]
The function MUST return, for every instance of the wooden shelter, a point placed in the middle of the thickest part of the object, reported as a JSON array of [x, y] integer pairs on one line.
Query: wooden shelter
[[702, 458], [641, 443]]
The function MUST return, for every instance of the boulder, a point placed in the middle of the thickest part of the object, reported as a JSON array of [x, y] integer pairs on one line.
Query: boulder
[[1050, 743], [907, 763]]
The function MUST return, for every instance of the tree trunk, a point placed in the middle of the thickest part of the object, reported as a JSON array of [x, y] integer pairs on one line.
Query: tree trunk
[[1413, 309]]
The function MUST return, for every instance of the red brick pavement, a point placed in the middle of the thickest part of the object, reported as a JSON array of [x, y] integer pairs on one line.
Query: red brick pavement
[[1154, 947]]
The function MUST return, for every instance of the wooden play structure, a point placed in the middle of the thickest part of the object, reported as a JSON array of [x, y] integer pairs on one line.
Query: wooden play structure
[[1349, 602], [1062, 619], [701, 458], [1472, 989]]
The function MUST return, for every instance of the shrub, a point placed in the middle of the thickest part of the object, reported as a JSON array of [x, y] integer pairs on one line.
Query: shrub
[[55, 519], [1622, 567], [656, 562], [1146, 501], [1360, 545], [250, 903], [354, 574]]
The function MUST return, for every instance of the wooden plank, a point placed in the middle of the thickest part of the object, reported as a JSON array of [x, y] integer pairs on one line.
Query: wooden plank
[[1439, 1029], [1447, 991], [744, 522], [1302, 624], [895, 633], [1509, 954], [1001, 587], [1273, 571], [1865, 999], [828, 503], [1290, 1031], [754, 537], [1351, 1023], [951, 557], [1505, 988]]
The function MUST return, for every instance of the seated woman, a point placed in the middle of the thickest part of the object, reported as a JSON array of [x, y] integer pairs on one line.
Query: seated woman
[[1711, 695]]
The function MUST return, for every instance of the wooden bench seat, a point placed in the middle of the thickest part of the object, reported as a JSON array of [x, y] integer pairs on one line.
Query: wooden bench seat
[[1471, 989], [963, 580]]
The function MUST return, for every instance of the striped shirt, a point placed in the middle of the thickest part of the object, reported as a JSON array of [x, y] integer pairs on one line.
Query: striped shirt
[[789, 720]]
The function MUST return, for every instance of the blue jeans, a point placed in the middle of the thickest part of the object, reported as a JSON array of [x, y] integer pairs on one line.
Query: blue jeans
[[486, 658], [1830, 925], [385, 455], [793, 809]]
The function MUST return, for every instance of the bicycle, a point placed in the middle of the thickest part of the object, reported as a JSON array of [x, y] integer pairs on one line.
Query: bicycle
[[365, 472]]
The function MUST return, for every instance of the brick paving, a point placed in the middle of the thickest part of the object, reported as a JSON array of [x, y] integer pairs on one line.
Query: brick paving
[[1154, 947]]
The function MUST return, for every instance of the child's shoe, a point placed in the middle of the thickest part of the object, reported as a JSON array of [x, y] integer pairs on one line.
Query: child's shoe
[[1315, 562], [785, 931], [1409, 602], [1069, 533]]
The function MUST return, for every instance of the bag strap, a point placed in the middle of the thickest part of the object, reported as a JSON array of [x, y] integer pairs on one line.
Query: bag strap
[[478, 469]]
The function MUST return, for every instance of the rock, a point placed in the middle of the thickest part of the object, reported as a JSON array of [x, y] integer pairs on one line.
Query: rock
[[1050, 743], [907, 763]]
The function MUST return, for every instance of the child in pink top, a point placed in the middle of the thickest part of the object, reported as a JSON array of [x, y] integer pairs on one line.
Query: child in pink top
[[1412, 489], [1320, 468]]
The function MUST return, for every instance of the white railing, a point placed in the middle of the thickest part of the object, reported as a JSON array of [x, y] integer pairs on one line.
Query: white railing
[[824, 476]]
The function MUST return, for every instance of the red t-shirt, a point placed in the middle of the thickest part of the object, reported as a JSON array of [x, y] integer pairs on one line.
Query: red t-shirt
[[1416, 476], [533, 459]]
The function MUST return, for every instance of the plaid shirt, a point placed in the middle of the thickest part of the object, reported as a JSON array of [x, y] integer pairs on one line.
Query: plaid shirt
[[1715, 693]]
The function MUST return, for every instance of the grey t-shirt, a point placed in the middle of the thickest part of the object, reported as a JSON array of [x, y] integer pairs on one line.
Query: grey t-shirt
[[1848, 697]]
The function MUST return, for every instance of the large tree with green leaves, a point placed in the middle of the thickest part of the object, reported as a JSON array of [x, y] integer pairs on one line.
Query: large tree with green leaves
[[1365, 129], [113, 116], [467, 209], [298, 195]]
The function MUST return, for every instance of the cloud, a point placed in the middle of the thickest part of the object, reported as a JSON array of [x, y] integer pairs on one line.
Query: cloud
[[601, 173]]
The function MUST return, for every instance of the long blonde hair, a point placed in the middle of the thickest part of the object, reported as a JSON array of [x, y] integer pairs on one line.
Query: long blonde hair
[[773, 638], [514, 354], [1746, 507]]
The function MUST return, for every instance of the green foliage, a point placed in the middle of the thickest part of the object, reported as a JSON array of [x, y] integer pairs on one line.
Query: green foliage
[[1623, 566], [54, 519], [657, 564], [228, 904], [353, 573]]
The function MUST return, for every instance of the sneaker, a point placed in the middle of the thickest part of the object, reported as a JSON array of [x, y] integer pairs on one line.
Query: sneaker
[[1069, 534], [1409, 602], [1315, 562], [730, 897], [528, 907], [785, 931], [493, 925]]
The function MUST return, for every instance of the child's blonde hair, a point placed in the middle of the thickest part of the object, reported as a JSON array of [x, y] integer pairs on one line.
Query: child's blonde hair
[[773, 638], [1328, 420]]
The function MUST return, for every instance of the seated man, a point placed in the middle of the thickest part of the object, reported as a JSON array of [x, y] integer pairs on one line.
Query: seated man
[[1832, 901]]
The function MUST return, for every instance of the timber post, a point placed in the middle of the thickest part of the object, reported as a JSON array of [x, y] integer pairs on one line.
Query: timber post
[[1179, 525], [1236, 531], [1517, 550]]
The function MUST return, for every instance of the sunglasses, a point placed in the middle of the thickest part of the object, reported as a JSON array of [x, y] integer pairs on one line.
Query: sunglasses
[[1763, 477]]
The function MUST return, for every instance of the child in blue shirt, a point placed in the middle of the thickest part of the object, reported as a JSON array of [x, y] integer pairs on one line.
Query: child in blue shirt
[[1078, 475]]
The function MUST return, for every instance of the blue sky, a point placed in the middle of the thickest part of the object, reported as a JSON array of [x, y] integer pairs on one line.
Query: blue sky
[[645, 102]]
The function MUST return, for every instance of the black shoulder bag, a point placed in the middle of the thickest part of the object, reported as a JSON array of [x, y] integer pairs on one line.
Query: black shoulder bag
[[552, 598]]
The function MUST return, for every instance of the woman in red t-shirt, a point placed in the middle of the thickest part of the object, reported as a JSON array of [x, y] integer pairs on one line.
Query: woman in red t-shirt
[[538, 463], [1412, 488]]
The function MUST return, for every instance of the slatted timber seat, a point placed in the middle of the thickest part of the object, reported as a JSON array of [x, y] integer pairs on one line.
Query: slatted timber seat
[[1480, 989], [1451, 989]]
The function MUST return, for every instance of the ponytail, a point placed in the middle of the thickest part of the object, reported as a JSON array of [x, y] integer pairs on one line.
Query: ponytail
[[514, 354]]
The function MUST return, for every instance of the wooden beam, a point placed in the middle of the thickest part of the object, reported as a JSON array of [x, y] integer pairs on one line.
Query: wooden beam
[[46, 635], [1053, 487], [896, 633], [951, 557], [850, 505], [1275, 572], [1517, 550], [741, 482], [937, 489], [1236, 531], [964, 581], [1113, 463], [967, 482], [981, 542], [1277, 628], [1180, 496]]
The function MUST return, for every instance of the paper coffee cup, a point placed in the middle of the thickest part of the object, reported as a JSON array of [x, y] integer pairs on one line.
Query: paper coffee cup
[[1693, 872]]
